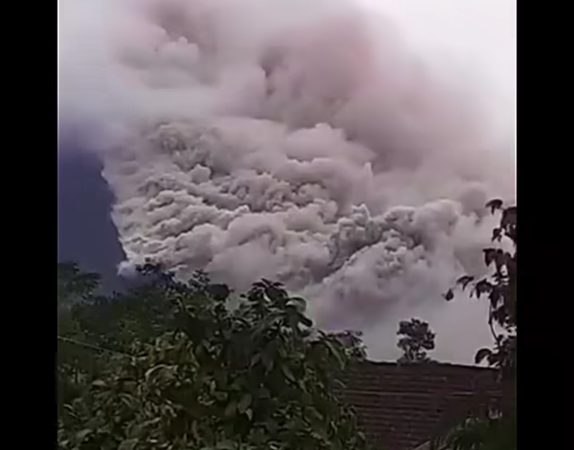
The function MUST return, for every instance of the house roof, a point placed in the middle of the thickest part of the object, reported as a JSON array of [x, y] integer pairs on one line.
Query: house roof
[[400, 407]]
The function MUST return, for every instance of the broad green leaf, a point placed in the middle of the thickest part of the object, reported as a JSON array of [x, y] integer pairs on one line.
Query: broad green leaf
[[128, 444], [244, 403], [81, 435], [494, 204], [154, 371], [464, 280], [298, 303], [482, 354], [305, 320], [287, 372], [230, 409], [335, 353]]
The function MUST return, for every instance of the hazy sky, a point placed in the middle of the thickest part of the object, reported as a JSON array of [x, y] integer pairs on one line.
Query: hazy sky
[[480, 35]]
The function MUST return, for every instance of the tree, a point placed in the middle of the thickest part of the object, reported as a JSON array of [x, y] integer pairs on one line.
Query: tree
[[475, 433], [74, 289], [74, 285], [353, 344], [499, 288], [417, 337], [173, 366], [495, 430]]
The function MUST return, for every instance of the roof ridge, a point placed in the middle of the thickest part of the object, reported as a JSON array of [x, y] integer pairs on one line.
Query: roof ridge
[[426, 365]]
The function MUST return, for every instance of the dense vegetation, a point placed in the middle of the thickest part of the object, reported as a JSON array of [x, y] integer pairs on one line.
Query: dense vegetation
[[172, 365]]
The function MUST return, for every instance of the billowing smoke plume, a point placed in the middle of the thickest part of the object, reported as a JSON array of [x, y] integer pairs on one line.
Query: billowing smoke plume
[[304, 141]]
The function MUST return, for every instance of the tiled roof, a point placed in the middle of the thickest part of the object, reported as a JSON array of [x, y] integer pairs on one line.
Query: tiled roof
[[399, 407]]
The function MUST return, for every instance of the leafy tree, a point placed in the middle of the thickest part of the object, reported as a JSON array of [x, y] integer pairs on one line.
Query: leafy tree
[[490, 433], [499, 288], [171, 365], [498, 431], [416, 338]]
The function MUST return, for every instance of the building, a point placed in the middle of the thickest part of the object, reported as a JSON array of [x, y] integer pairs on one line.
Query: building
[[403, 406]]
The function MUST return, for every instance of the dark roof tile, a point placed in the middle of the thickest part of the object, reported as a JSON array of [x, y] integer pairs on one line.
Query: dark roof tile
[[401, 407]]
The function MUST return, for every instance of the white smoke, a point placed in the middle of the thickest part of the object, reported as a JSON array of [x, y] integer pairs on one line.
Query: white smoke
[[304, 141]]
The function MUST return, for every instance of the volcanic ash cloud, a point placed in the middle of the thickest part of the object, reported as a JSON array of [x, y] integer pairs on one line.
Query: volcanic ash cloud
[[298, 141]]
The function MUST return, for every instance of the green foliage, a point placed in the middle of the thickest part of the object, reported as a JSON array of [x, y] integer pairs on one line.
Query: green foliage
[[170, 365], [417, 337], [74, 285], [353, 344], [493, 433], [479, 434], [500, 289]]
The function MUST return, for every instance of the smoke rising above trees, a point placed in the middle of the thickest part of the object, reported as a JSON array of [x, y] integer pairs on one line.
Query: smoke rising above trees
[[307, 142]]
